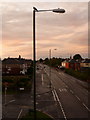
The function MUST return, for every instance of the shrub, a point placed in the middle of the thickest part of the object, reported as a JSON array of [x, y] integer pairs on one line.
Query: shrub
[[78, 74]]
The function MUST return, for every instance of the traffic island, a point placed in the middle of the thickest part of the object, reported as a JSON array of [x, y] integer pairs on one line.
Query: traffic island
[[39, 115]]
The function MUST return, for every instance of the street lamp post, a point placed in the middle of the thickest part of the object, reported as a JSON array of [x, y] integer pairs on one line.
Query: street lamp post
[[34, 50], [34, 63], [50, 55], [50, 67]]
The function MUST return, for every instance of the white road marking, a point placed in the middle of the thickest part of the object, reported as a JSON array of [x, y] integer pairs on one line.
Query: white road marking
[[66, 86], [77, 97], [19, 114], [54, 96], [60, 104], [60, 90], [42, 80], [71, 91], [36, 103], [86, 107], [38, 95], [11, 101], [63, 90], [46, 73]]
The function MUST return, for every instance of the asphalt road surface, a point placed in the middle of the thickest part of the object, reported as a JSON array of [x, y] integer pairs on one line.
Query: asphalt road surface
[[59, 95], [67, 99]]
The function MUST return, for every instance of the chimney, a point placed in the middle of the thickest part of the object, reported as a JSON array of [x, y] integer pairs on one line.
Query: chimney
[[70, 57], [19, 57]]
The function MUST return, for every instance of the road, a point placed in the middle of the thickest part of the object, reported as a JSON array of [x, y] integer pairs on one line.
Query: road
[[17, 105], [65, 98]]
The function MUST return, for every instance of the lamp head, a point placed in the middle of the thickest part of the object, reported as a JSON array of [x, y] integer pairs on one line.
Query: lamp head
[[59, 10]]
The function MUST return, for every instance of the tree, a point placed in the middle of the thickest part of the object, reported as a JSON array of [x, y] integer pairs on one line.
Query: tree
[[30, 71], [46, 61], [77, 57], [41, 60]]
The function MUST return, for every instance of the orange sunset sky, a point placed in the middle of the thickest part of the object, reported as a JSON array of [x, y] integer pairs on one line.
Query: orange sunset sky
[[67, 32]]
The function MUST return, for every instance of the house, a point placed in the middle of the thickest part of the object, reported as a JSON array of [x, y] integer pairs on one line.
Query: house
[[65, 63], [15, 66], [71, 64], [85, 64], [10, 66], [77, 65]]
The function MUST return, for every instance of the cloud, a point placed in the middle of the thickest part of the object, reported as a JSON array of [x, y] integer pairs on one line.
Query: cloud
[[52, 30]]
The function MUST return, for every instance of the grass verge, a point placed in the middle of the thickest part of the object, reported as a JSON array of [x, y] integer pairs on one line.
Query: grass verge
[[39, 116], [84, 76]]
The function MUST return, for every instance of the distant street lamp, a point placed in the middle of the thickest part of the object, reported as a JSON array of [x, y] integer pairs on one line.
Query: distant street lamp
[[34, 50], [50, 52]]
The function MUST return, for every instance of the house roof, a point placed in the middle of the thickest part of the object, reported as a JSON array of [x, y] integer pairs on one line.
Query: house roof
[[86, 61], [71, 61], [15, 61], [11, 61], [67, 60]]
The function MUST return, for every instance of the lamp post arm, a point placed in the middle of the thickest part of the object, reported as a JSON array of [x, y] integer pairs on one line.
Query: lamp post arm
[[36, 10], [44, 10]]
